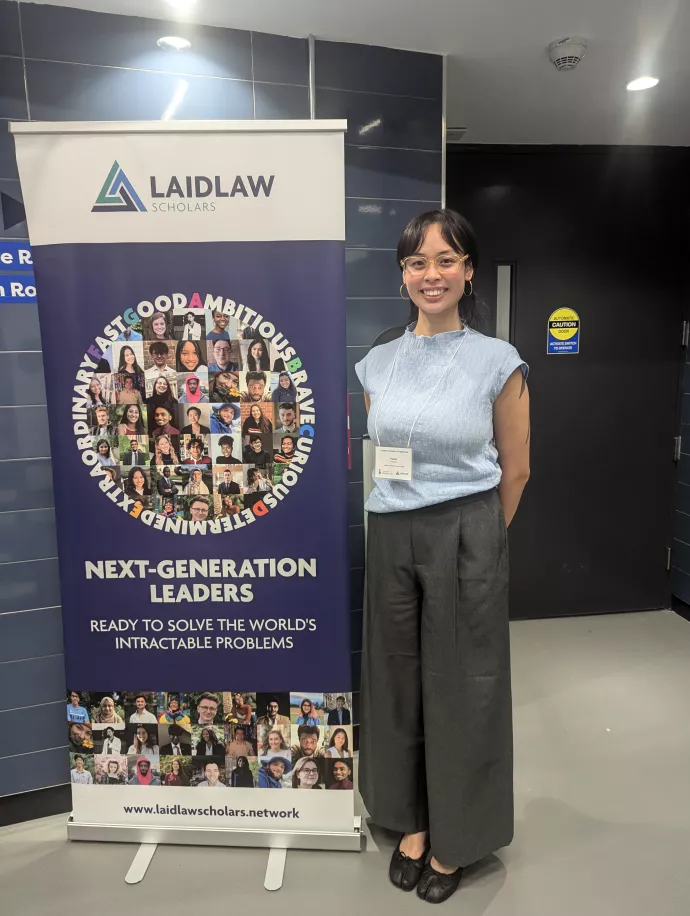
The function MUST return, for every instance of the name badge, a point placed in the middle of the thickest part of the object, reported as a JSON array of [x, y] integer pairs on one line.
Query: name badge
[[393, 463]]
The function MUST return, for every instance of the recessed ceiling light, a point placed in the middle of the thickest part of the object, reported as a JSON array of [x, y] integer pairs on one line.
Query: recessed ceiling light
[[644, 82], [173, 43], [181, 4]]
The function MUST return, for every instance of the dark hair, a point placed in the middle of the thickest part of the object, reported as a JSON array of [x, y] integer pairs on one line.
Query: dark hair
[[335, 732], [98, 445], [175, 730], [121, 367], [195, 409], [78, 757], [129, 488], [196, 442], [286, 405], [255, 377], [167, 399], [206, 502], [459, 234], [142, 696], [308, 730], [341, 697], [254, 436], [200, 356], [159, 347], [264, 359], [226, 440]]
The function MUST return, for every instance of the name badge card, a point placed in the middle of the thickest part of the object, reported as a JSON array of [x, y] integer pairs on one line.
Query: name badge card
[[393, 463]]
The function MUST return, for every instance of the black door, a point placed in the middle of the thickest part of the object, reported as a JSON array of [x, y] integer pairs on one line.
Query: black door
[[602, 231]]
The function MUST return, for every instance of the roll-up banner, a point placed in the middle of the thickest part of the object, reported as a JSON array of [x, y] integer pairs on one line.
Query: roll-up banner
[[191, 297]]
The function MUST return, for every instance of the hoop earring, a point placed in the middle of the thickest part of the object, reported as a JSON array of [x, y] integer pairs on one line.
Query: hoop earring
[[471, 292], [401, 294]]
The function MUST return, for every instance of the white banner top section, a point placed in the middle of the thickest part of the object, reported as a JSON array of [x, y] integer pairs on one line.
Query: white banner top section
[[164, 181]]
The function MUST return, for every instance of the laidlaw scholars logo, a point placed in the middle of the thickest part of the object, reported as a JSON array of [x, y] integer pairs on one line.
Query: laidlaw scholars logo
[[118, 194], [186, 193]]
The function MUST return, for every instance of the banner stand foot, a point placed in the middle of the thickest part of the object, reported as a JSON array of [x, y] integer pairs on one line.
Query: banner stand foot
[[275, 869], [142, 860]]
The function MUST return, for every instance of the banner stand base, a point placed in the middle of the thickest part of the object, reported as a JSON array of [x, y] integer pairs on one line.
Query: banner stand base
[[338, 841], [142, 860]]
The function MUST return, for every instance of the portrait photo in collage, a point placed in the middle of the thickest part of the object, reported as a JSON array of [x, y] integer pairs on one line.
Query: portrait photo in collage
[[193, 415], [208, 739]]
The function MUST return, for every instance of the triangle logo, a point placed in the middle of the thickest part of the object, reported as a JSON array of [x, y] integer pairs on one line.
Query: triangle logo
[[118, 194]]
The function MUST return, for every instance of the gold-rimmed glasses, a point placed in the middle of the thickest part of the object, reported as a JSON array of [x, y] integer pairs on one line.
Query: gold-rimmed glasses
[[445, 263]]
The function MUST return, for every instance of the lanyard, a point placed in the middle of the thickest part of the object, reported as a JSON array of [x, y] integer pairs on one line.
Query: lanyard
[[429, 396]]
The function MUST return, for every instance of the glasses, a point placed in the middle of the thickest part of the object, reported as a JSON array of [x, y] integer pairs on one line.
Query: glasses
[[205, 708], [445, 263]]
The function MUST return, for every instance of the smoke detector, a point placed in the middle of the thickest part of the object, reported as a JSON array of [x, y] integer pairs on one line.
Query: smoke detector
[[566, 53]]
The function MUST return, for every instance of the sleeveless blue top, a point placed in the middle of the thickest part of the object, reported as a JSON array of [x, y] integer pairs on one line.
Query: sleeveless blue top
[[449, 382]]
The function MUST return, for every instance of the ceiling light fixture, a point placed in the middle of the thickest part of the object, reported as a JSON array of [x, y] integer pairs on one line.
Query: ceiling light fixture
[[182, 5], [173, 43], [643, 82]]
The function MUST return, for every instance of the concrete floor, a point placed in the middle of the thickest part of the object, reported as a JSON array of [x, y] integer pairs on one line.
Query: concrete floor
[[602, 779]]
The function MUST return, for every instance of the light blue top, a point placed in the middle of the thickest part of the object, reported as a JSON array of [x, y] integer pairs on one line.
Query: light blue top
[[453, 453]]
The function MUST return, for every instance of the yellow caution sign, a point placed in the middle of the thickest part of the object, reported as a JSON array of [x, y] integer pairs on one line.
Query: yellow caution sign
[[563, 333]]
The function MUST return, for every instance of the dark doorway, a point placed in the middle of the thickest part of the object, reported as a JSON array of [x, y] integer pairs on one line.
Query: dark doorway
[[603, 231]]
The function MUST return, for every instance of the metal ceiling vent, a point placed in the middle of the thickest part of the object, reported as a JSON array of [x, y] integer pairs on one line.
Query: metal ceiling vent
[[566, 53]]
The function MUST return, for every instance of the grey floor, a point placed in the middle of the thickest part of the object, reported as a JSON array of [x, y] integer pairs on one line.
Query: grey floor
[[602, 779]]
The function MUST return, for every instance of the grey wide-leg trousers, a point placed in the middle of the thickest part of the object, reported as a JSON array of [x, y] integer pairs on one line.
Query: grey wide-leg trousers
[[436, 744]]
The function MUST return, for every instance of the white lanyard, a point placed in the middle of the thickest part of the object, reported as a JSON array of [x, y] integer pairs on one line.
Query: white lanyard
[[429, 396]]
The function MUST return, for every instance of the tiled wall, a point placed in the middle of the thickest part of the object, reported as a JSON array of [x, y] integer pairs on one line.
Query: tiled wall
[[63, 64]]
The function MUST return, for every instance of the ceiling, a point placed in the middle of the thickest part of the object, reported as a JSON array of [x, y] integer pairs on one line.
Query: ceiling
[[501, 86]]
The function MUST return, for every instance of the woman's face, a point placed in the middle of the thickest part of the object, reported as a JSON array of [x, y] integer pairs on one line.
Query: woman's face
[[433, 291], [308, 775], [274, 741], [138, 480], [256, 413], [129, 357], [206, 735], [175, 766], [188, 356], [112, 768], [161, 386], [158, 325], [284, 381], [339, 739], [257, 349], [306, 708], [95, 386], [133, 414], [142, 735], [108, 707], [241, 762], [103, 448], [164, 445], [168, 507]]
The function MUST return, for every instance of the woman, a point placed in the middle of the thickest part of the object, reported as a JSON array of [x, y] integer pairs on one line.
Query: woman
[[309, 715], [157, 328], [143, 743], [287, 450], [131, 423], [257, 482], [195, 427], [177, 775], [339, 745], [225, 386], [128, 394], [241, 712], [105, 459], [95, 392], [306, 774], [168, 510], [258, 358], [456, 403], [129, 366], [241, 777], [164, 451], [209, 746], [136, 486], [228, 508], [189, 356], [195, 485], [285, 391], [256, 422], [274, 745], [161, 396], [113, 776], [106, 714]]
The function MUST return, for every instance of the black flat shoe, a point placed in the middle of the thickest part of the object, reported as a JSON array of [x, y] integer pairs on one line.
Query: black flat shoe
[[405, 872], [435, 887]]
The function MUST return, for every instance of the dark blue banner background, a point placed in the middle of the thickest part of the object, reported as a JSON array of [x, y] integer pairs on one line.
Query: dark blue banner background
[[299, 287]]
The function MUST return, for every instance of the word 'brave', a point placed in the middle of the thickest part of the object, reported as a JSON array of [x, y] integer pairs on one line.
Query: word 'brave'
[[202, 186]]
